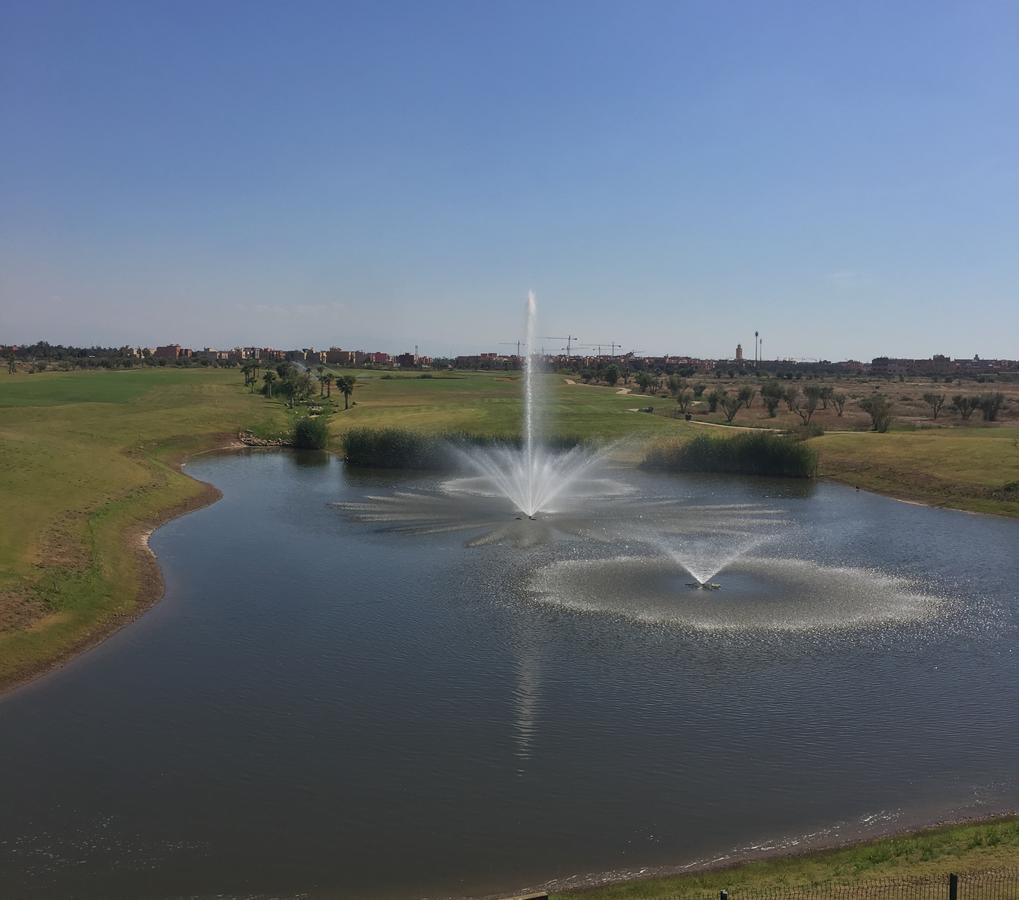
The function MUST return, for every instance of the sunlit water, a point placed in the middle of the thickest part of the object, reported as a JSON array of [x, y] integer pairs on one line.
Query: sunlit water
[[366, 685]]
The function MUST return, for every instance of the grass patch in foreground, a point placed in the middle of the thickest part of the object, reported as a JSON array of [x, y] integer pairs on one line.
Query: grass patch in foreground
[[936, 851], [747, 453]]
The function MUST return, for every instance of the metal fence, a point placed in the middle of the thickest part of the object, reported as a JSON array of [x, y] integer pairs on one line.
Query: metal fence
[[996, 884], [993, 884]]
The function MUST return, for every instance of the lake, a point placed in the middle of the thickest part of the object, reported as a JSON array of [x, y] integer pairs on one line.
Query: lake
[[363, 684]]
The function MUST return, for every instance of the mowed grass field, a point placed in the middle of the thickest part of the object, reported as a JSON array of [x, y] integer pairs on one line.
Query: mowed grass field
[[963, 468], [970, 848], [488, 403]]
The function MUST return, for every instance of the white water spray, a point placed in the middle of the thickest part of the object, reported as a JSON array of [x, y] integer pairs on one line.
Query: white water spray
[[532, 477], [532, 313]]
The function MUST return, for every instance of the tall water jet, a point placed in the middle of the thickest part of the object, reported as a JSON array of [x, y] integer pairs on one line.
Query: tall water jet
[[529, 401], [530, 476]]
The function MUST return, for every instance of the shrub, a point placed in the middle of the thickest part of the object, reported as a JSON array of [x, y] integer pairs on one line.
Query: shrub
[[311, 434], [965, 406], [400, 448], [990, 405], [761, 453], [879, 408], [806, 431]]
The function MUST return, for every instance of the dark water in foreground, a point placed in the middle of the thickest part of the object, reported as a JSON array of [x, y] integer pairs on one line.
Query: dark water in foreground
[[321, 707]]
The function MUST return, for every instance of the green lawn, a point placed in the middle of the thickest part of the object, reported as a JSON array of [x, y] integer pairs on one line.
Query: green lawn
[[965, 468], [934, 852], [490, 404]]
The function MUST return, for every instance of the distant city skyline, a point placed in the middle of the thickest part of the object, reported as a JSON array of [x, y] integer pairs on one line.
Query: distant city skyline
[[670, 176]]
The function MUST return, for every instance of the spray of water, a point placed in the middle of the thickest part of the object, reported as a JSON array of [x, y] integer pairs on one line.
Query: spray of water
[[532, 314], [531, 477]]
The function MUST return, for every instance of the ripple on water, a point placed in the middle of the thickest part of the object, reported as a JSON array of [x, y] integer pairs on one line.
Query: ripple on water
[[783, 594]]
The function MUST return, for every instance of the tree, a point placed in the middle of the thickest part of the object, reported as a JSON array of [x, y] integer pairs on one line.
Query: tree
[[248, 368], [612, 374], [684, 400], [990, 405], [329, 378], [345, 385], [731, 404], [839, 400], [771, 395], [713, 397], [791, 394], [269, 377], [806, 406], [826, 393], [879, 408], [935, 402], [965, 406], [746, 395], [644, 381], [698, 390], [12, 365]]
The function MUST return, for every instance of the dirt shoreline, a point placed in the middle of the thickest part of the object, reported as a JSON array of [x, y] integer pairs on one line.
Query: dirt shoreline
[[582, 883], [150, 576]]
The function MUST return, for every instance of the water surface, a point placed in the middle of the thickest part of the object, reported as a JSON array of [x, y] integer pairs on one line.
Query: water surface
[[330, 706]]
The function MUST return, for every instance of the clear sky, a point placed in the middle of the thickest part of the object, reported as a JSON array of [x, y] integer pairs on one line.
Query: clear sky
[[842, 176]]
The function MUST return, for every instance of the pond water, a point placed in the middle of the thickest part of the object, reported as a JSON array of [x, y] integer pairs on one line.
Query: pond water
[[366, 685]]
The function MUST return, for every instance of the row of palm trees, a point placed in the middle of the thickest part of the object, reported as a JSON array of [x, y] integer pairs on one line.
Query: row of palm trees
[[297, 384]]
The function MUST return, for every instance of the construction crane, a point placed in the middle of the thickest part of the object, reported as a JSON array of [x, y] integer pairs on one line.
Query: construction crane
[[511, 343], [570, 338]]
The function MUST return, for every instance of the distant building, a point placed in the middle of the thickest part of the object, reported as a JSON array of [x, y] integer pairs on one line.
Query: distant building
[[739, 354], [170, 351]]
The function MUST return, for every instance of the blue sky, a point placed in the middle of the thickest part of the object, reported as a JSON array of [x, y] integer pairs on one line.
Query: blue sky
[[843, 177]]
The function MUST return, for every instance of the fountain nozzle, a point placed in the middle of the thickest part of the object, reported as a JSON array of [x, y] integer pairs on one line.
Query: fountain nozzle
[[703, 585]]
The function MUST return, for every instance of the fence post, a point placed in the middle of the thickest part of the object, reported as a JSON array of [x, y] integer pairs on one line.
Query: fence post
[[953, 886]]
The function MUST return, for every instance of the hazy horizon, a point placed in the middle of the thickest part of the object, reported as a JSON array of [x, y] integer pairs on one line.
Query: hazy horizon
[[671, 177]]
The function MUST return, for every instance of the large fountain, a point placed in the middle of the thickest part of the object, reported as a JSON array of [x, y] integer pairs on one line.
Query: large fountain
[[530, 476]]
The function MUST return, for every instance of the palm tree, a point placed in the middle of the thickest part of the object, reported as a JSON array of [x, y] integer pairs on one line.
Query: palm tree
[[12, 366], [321, 384], [345, 383], [329, 378], [269, 377]]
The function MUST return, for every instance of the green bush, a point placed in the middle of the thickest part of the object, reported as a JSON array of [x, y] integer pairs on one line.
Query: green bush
[[311, 434], [760, 453], [805, 432], [400, 448]]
